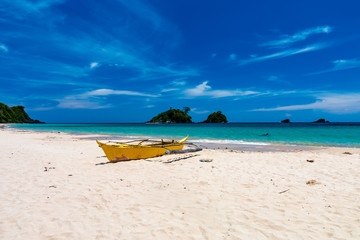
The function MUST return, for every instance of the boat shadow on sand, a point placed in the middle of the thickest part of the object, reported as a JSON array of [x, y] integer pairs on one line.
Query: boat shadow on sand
[[149, 159]]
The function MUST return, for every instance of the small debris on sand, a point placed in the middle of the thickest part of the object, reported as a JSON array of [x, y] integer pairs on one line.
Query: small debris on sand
[[348, 153], [206, 160], [310, 161], [284, 191], [312, 182]]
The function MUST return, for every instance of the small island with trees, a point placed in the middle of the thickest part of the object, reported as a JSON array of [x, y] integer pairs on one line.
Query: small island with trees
[[14, 114], [181, 116], [216, 117], [173, 116]]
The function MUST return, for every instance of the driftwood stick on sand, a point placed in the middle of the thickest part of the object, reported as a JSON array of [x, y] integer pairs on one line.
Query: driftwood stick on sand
[[181, 158], [284, 191]]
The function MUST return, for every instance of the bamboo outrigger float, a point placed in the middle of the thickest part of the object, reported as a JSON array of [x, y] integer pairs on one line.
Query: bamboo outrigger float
[[140, 149]]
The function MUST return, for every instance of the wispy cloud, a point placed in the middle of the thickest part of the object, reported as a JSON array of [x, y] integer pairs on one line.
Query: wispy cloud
[[277, 79], [232, 57], [286, 40], [169, 90], [22, 8], [204, 90], [81, 104], [273, 78], [95, 99], [157, 72], [285, 53], [341, 64], [106, 92], [179, 82], [330, 102], [4, 48], [197, 111], [144, 11], [120, 48]]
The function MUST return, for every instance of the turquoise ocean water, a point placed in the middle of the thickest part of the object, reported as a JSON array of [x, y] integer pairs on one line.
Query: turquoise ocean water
[[332, 134]]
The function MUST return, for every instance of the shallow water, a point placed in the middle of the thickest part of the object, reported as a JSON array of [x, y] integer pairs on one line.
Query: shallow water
[[332, 134]]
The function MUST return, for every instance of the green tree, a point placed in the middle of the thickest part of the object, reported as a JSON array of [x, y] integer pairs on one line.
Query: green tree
[[216, 117], [186, 109], [171, 116], [15, 114]]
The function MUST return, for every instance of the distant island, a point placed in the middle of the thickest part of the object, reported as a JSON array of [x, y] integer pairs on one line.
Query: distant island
[[216, 117], [321, 120], [173, 116], [14, 114], [285, 121]]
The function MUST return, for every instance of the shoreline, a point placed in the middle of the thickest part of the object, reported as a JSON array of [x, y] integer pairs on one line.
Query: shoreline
[[61, 186]]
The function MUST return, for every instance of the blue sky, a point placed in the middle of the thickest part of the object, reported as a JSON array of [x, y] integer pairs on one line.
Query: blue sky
[[126, 61]]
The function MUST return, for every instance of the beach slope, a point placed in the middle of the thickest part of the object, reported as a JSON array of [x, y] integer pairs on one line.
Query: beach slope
[[60, 186]]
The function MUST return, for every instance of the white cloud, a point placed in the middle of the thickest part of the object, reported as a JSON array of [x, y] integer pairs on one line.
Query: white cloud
[[3, 48], [196, 111], [80, 103], [204, 90], [169, 90], [106, 92], [299, 36], [341, 64], [150, 106], [94, 65], [284, 54], [346, 64], [94, 99], [333, 103]]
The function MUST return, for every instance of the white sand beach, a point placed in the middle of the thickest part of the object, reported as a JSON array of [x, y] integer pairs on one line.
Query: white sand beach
[[60, 186]]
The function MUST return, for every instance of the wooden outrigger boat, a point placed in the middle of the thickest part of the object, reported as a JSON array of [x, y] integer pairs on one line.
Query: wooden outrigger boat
[[139, 149]]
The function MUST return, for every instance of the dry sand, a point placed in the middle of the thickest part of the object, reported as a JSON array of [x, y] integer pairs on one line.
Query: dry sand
[[60, 186]]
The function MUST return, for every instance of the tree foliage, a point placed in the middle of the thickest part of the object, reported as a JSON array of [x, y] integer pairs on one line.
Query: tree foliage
[[186, 109], [172, 116], [216, 117], [15, 114]]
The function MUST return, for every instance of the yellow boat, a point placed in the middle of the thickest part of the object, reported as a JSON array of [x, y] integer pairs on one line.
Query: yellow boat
[[117, 151]]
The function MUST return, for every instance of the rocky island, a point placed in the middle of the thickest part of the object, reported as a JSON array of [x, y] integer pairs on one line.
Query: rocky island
[[321, 120], [285, 121]]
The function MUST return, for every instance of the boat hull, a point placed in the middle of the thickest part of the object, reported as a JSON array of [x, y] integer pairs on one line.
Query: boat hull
[[123, 152]]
